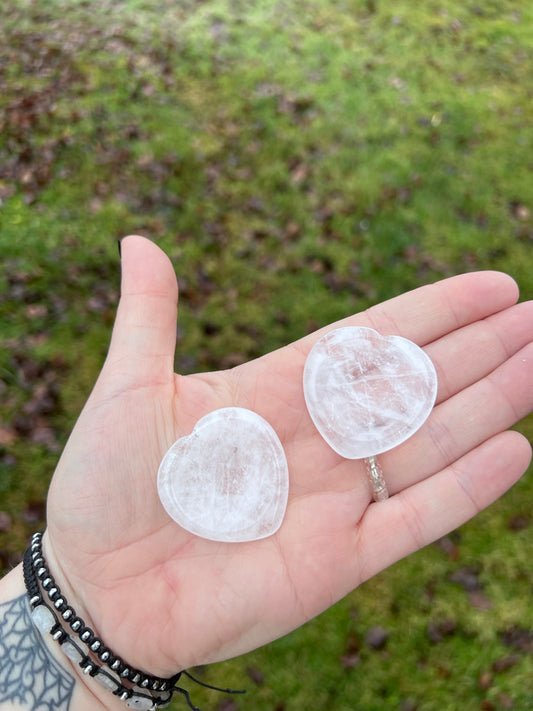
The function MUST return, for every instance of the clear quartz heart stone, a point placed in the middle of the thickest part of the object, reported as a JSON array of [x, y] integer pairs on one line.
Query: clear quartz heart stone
[[228, 480], [367, 393]]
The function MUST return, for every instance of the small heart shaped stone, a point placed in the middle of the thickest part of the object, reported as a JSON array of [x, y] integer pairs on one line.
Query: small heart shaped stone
[[367, 393], [228, 480]]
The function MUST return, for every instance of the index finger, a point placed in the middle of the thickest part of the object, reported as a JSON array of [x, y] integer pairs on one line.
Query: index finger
[[431, 311]]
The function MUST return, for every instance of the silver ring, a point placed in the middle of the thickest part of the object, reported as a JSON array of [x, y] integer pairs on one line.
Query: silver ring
[[377, 481]]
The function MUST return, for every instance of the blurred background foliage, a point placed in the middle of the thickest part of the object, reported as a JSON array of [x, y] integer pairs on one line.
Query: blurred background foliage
[[298, 161]]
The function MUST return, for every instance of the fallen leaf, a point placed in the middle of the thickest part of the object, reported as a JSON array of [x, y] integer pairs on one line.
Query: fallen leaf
[[350, 661], [231, 360], [5, 521], [299, 173], [518, 638], [227, 705], [485, 680], [409, 705], [504, 663], [292, 230], [255, 675], [518, 522], [519, 211], [448, 546], [479, 600], [34, 512], [506, 701], [376, 637], [437, 631], [7, 435], [467, 578]]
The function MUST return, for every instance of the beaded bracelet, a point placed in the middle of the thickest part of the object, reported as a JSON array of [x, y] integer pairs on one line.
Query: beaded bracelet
[[149, 693], [46, 620], [85, 633]]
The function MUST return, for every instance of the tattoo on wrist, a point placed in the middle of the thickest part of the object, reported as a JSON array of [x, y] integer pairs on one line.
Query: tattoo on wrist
[[29, 674]]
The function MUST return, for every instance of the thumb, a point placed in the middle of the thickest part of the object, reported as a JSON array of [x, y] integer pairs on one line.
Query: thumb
[[144, 335]]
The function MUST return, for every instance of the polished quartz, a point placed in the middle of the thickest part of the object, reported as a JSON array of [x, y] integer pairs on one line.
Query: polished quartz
[[70, 650], [367, 393], [228, 480], [105, 680], [140, 703], [43, 619]]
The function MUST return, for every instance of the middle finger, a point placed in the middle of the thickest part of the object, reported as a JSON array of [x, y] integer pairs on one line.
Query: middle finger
[[462, 422]]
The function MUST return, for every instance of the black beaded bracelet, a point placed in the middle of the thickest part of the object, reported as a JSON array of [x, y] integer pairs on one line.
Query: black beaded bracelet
[[149, 692], [45, 618], [86, 634]]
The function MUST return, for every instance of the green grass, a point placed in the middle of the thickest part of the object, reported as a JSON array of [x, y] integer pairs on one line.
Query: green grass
[[298, 162]]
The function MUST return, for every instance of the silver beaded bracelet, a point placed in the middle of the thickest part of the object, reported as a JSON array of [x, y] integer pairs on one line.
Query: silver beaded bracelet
[[135, 688], [46, 620]]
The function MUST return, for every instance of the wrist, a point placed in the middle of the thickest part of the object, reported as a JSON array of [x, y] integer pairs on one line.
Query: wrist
[[57, 619], [35, 674]]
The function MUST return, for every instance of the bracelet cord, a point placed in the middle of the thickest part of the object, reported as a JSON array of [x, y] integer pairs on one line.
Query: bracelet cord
[[147, 692]]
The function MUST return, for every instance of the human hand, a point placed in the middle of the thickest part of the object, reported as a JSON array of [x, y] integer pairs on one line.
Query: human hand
[[164, 599]]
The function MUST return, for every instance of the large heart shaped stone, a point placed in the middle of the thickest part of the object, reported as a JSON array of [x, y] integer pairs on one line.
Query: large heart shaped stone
[[228, 480], [367, 393]]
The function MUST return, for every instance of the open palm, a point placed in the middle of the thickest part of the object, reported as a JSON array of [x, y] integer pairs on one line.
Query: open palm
[[164, 599]]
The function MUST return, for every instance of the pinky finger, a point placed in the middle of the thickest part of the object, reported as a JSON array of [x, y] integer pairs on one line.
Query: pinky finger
[[428, 510]]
